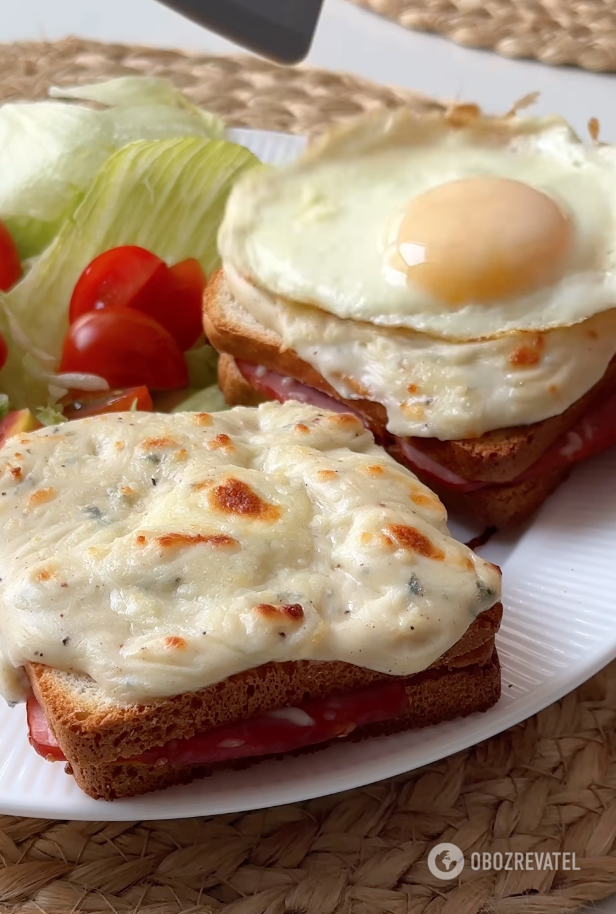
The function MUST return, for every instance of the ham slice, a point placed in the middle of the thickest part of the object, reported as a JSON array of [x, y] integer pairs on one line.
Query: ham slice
[[40, 736], [426, 466], [282, 388], [593, 434], [275, 733]]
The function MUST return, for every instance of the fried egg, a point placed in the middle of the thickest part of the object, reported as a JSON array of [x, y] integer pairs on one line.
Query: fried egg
[[459, 227]]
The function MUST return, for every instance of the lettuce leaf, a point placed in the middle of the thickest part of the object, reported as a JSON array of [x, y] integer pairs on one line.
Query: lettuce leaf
[[202, 361], [135, 92], [167, 196], [47, 415], [209, 400], [51, 151]]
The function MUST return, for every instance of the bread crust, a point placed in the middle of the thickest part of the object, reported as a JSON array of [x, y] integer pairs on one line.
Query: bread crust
[[91, 730], [434, 696], [500, 506], [497, 457]]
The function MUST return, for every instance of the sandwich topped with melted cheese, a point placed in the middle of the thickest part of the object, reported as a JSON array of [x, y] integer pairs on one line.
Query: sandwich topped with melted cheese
[[184, 592], [449, 277]]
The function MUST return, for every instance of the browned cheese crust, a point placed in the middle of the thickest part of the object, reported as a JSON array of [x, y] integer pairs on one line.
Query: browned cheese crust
[[434, 696]]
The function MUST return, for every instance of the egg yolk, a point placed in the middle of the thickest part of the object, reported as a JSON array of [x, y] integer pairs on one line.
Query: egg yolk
[[482, 239]]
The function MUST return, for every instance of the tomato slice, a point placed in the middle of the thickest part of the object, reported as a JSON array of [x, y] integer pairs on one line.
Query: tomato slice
[[126, 348], [10, 267], [176, 302], [121, 277], [79, 404]]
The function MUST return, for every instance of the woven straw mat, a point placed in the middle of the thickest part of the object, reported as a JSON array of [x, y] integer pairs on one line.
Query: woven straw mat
[[578, 32], [546, 785]]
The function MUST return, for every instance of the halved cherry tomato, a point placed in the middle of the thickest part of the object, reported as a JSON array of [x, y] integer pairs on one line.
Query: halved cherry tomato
[[79, 404], [175, 300], [131, 277], [119, 278], [10, 267], [126, 348]]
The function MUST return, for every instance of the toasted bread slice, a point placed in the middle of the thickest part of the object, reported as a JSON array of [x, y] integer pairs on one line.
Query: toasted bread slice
[[94, 732], [500, 505], [497, 457], [434, 696]]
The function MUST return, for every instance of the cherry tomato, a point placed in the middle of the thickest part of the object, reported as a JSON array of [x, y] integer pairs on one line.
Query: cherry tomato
[[81, 403], [10, 267], [126, 348], [119, 277], [175, 300], [131, 277]]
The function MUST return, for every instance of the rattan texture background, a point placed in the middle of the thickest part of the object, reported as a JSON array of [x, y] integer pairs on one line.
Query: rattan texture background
[[581, 33]]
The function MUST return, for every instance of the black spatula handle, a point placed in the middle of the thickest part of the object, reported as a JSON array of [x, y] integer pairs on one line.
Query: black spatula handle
[[279, 29]]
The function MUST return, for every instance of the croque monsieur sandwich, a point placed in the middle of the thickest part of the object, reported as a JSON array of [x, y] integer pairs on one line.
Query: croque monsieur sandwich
[[449, 277], [184, 592]]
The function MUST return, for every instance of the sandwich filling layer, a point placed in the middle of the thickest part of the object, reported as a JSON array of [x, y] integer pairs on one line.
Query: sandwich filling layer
[[435, 388], [158, 554], [279, 731], [593, 434]]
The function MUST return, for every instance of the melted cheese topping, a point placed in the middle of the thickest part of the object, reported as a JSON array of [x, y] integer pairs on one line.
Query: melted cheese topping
[[163, 553], [438, 388]]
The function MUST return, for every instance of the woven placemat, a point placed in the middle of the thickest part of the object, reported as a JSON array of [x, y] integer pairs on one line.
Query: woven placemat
[[247, 92], [556, 32], [546, 785]]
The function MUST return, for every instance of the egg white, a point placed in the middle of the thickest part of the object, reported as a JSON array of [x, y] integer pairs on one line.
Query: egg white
[[320, 231]]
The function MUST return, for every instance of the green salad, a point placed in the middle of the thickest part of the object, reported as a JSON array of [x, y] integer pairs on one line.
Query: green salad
[[111, 196]]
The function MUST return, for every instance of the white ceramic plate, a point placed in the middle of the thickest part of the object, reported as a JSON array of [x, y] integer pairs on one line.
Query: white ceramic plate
[[558, 630]]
